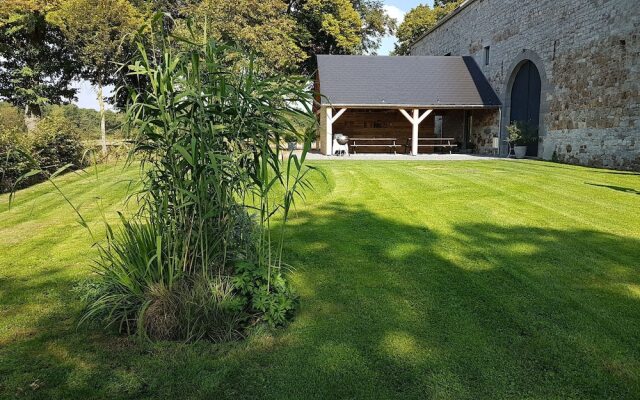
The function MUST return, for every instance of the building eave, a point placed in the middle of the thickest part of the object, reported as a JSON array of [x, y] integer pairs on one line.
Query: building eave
[[421, 106]]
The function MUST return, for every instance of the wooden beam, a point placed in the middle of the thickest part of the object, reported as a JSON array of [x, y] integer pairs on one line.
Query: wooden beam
[[407, 116], [338, 114], [425, 115]]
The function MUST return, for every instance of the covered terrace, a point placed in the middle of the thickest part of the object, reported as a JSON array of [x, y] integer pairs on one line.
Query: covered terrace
[[406, 105]]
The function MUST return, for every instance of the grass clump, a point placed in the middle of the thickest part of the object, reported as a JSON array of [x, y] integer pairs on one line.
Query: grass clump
[[200, 260]]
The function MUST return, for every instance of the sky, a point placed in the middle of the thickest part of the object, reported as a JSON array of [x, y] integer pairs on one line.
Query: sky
[[395, 8]]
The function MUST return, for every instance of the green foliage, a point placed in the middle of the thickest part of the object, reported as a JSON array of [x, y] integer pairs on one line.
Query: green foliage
[[209, 308], [135, 292], [339, 27], [37, 63], [87, 121], [418, 21], [97, 30], [207, 131], [14, 163], [270, 293], [129, 264], [55, 143], [14, 143], [11, 118], [521, 133], [284, 35], [263, 27], [514, 134], [337, 20], [287, 34]]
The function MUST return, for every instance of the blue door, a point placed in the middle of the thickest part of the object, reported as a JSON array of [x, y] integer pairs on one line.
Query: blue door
[[525, 100]]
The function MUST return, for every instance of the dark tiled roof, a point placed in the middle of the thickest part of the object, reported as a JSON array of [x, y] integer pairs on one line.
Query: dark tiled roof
[[404, 81]]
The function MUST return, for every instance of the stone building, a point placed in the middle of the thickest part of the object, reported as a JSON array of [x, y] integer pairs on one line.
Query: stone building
[[571, 67]]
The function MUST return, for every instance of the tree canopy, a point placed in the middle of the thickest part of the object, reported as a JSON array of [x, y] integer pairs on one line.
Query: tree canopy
[[339, 27], [262, 27], [37, 63], [98, 29], [47, 44], [286, 34], [419, 20]]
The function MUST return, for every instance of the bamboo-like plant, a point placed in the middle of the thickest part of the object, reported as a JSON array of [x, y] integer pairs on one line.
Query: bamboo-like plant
[[207, 126]]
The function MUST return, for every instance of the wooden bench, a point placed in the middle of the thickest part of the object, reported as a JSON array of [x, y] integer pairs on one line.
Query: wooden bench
[[389, 143], [444, 143]]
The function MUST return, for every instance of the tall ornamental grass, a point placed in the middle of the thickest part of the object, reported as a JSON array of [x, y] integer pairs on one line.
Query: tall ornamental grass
[[202, 258]]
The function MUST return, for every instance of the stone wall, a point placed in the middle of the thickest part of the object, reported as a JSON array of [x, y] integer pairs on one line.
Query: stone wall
[[485, 125], [588, 55]]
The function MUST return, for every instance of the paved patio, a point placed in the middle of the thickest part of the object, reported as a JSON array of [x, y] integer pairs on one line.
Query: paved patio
[[403, 157]]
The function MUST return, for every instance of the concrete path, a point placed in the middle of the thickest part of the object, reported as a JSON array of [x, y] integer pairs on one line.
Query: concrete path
[[403, 157]]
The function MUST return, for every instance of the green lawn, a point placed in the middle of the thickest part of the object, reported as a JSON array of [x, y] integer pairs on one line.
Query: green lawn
[[488, 279]]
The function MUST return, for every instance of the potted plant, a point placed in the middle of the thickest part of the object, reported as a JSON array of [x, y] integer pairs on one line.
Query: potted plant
[[520, 135]]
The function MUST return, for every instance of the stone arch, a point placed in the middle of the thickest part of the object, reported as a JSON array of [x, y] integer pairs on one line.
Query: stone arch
[[524, 56]]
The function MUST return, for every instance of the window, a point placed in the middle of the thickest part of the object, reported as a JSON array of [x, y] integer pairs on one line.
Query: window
[[487, 50]]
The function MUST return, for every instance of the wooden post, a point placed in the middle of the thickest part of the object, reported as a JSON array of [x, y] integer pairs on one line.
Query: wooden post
[[328, 148], [414, 132], [329, 131], [415, 120]]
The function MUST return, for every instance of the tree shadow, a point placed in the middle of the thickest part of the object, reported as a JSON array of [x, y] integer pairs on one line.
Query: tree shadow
[[573, 167], [617, 188], [388, 310], [486, 310]]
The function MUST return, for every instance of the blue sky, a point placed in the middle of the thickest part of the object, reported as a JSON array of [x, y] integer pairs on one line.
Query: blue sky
[[395, 8]]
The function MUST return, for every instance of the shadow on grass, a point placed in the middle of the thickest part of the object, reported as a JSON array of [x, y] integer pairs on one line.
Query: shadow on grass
[[388, 310], [616, 188]]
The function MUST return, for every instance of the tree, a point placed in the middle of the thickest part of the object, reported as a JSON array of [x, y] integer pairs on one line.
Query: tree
[[285, 34], [418, 21], [37, 65], [262, 27], [339, 27], [98, 29]]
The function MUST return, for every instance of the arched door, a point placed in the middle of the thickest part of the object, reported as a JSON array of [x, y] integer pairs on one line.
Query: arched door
[[525, 100]]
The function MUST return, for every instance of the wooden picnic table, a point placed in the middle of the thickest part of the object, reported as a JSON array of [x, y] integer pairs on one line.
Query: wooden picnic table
[[444, 143], [390, 143]]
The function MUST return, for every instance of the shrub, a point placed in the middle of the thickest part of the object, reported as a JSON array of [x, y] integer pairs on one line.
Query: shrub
[[270, 293], [87, 121], [14, 163], [56, 143], [202, 260], [11, 119]]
